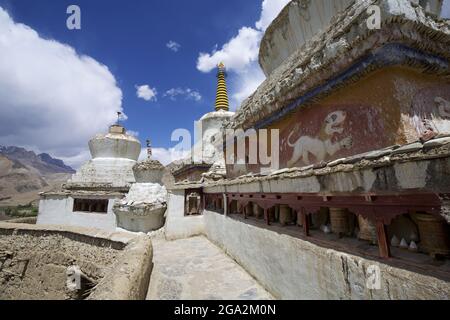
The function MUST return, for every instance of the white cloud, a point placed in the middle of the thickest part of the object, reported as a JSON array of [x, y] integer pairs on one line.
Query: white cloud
[[78, 160], [236, 54], [51, 98], [146, 92], [165, 156], [240, 54], [187, 94], [270, 10], [246, 82], [133, 133], [174, 46]]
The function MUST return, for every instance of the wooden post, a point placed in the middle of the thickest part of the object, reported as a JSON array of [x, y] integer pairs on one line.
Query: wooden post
[[383, 243], [266, 216], [226, 205], [202, 203], [305, 221], [244, 208]]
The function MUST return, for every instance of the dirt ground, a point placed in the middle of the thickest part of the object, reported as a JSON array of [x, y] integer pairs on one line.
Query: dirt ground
[[35, 266]]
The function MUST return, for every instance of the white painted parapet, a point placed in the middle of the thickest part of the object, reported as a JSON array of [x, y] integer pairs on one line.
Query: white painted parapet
[[291, 268]]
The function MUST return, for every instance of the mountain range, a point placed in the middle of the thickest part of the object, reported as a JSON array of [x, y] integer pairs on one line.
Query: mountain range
[[24, 174]]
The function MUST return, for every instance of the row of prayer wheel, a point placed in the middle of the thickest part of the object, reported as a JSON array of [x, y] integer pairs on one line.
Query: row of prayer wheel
[[434, 232]]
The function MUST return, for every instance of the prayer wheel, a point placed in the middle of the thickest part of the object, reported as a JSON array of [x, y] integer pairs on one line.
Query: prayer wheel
[[233, 207], [367, 230], [249, 209], [299, 218], [272, 214], [193, 206], [434, 234], [286, 216], [340, 223], [258, 211]]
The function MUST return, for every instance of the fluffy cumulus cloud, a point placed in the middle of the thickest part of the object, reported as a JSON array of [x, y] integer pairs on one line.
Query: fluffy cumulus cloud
[[240, 54], [174, 46], [52, 99], [146, 93], [236, 54], [187, 94]]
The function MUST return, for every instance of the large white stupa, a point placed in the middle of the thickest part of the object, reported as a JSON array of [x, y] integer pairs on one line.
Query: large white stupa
[[113, 156], [87, 199]]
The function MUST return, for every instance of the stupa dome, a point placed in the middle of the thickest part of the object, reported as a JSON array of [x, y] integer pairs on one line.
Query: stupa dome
[[149, 171], [115, 144]]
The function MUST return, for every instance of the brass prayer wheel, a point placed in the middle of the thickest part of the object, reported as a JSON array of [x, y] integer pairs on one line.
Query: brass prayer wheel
[[367, 230], [258, 211], [193, 205], [434, 234], [340, 223], [286, 216], [249, 209], [299, 218]]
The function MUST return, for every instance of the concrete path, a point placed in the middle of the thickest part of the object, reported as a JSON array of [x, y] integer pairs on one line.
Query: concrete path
[[195, 269]]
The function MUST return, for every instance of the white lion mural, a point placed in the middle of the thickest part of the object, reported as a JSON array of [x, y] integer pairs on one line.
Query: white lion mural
[[321, 146]]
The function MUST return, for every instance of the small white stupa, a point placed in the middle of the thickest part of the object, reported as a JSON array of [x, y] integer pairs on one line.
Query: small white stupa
[[143, 208]]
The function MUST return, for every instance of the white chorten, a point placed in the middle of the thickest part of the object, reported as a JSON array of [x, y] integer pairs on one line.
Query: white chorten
[[87, 199], [113, 156]]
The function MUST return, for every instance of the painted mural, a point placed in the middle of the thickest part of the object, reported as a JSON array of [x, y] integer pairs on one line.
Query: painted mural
[[322, 146], [430, 110], [326, 133]]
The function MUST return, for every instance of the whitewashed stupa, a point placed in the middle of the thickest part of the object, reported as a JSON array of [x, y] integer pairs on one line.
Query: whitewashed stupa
[[207, 160], [88, 198]]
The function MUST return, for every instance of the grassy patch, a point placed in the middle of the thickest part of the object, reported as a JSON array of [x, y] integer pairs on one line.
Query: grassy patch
[[23, 211]]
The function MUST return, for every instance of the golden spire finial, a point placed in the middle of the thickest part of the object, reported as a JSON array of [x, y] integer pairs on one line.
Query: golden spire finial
[[222, 94]]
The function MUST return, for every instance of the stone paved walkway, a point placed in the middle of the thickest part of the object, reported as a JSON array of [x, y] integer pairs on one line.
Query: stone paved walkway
[[196, 269]]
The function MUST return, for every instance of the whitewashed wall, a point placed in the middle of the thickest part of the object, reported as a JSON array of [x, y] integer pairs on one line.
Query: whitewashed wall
[[177, 225], [291, 268], [58, 211]]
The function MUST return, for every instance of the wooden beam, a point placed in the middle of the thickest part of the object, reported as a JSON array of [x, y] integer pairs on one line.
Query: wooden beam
[[383, 244]]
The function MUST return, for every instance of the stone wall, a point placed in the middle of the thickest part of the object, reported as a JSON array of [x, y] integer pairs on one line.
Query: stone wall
[[301, 20], [414, 167], [117, 172], [291, 268], [297, 23], [34, 262]]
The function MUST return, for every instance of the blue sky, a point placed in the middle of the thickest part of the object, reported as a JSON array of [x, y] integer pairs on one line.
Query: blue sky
[[128, 41], [131, 39]]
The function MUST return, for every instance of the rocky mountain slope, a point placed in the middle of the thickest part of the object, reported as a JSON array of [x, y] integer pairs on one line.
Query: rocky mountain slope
[[23, 175]]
